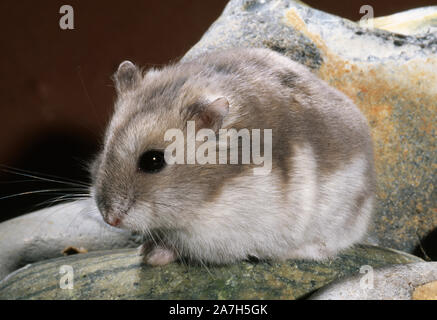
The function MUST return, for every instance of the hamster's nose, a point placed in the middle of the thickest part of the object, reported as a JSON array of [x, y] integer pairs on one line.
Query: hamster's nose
[[113, 221]]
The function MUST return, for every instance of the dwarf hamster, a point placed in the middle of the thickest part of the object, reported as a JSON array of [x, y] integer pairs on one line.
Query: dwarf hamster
[[316, 200]]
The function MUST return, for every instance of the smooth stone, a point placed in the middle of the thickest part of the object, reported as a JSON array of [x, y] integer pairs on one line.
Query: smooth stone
[[390, 76], [397, 282], [44, 234], [121, 275]]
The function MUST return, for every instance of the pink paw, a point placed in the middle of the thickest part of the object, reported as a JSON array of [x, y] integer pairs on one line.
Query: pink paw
[[157, 255]]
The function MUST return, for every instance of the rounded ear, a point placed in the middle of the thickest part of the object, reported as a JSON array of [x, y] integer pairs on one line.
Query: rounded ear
[[209, 115], [127, 76]]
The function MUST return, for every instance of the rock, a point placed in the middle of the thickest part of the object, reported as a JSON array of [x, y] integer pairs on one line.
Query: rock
[[119, 274], [410, 22], [397, 282], [392, 78], [427, 291], [49, 232]]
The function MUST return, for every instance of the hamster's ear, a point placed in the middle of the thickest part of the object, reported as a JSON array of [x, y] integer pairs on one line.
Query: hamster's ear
[[209, 115], [126, 77]]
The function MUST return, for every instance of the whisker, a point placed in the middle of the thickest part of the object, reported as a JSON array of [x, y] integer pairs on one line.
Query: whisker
[[17, 181], [37, 178], [55, 191], [43, 177], [65, 197]]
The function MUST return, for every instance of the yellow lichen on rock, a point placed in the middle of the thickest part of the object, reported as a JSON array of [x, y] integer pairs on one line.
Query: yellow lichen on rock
[[427, 291], [415, 21]]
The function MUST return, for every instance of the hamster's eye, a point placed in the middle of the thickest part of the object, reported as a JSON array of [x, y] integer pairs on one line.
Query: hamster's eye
[[152, 161]]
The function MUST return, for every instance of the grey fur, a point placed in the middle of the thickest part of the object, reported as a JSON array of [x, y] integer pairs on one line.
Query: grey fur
[[222, 213]]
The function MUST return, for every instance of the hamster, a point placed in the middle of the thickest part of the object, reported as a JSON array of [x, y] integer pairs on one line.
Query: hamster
[[316, 201]]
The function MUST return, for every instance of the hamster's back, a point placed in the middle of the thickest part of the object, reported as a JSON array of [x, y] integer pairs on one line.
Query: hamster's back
[[322, 147]]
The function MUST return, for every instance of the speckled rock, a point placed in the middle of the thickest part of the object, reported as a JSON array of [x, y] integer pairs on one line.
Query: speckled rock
[[397, 282], [391, 77], [121, 275]]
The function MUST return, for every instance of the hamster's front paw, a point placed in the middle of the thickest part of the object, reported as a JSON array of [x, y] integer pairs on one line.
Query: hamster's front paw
[[157, 255]]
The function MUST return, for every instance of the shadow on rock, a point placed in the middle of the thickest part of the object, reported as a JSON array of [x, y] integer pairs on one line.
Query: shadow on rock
[[427, 249]]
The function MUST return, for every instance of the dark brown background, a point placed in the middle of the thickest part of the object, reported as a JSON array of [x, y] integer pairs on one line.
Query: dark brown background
[[56, 93]]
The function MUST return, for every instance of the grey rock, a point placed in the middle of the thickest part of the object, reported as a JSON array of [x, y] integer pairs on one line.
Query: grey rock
[[46, 233], [389, 283], [120, 274]]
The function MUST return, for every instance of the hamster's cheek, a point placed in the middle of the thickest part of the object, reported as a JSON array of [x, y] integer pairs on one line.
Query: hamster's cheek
[[138, 220], [134, 225], [95, 165]]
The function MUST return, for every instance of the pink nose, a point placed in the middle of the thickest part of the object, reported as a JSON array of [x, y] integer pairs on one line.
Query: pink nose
[[114, 221]]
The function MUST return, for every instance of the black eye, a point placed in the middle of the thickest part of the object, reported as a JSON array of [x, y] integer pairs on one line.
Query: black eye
[[152, 161]]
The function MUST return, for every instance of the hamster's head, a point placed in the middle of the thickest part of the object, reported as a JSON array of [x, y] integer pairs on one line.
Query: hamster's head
[[134, 186]]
